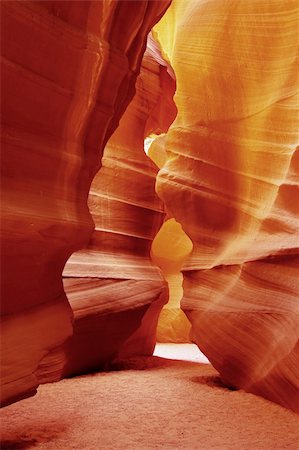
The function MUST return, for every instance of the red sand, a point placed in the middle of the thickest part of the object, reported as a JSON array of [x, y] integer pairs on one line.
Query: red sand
[[155, 404]]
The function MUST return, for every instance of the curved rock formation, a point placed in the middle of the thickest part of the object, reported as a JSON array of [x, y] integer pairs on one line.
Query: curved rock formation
[[231, 180], [113, 287], [169, 250], [68, 73], [229, 177]]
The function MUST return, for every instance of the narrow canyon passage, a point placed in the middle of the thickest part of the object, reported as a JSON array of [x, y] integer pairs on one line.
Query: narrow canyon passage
[[156, 403], [149, 225], [170, 248]]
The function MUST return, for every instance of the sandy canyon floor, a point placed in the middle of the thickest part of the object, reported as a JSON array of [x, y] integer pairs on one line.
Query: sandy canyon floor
[[149, 403]]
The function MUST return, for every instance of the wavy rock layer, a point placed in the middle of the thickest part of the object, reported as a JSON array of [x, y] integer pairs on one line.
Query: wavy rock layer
[[231, 180], [68, 73], [113, 287], [170, 248]]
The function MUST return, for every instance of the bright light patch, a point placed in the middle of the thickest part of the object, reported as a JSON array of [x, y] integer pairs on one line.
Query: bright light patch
[[148, 142]]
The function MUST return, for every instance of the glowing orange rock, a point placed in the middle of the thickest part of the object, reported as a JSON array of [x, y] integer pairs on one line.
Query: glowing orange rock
[[170, 248], [68, 73], [231, 180]]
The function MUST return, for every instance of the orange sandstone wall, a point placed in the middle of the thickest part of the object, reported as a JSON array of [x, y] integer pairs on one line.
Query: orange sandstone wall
[[169, 250], [231, 180], [113, 287], [68, 73]]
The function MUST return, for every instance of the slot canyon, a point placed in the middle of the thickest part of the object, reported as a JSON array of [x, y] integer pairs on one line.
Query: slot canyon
[[149, 224]]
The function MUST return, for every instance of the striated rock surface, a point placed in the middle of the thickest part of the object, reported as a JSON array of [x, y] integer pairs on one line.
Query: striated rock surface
[[113, 287], [170, 248], [229, 177], [68, 73], [231, 180]]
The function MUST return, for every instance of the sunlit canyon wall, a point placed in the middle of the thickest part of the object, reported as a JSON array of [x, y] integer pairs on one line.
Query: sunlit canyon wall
[[231, 181], [68, 73], [228, 176]]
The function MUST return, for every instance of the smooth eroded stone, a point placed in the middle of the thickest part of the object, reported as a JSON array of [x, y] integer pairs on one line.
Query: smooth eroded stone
[[119, 291], [231, 181], [68, 72]]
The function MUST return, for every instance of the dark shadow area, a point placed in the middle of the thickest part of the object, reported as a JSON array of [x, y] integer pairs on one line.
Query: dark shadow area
[[212, 381], [139, 363], [15, 444], [132, 363], [30, 437]]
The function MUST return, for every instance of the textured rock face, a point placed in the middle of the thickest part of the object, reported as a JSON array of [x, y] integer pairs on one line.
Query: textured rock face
[[229, 177], [68, 73], [170, 248], [231, 180], [113, 287]]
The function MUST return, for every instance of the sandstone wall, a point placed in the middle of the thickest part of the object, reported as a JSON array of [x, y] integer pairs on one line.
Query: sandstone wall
[[68, 73], [113, 287], [231, 180]]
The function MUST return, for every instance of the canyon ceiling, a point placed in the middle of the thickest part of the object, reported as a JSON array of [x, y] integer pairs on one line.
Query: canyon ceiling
[[97, 235]]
